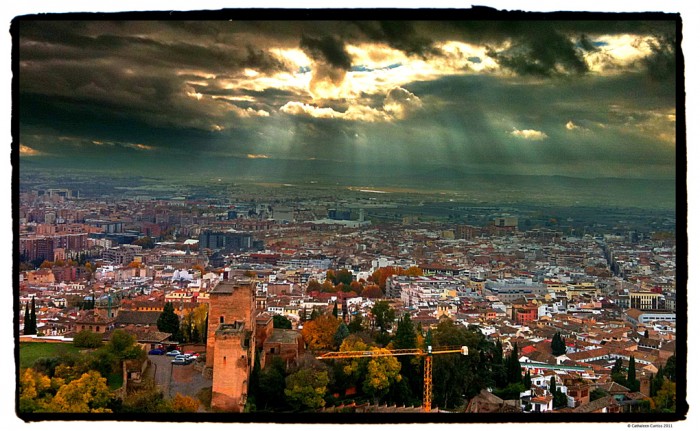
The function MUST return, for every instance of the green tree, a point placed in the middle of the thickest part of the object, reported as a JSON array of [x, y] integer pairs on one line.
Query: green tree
[[335, 309], [382, 372], [513, 369], [148, 399], [272, 385], [617, 372], [341, 334], [498, 368], [665, 399], [457, 377], [511, 391], [30, 326], [355, 324], [188, 330], [254, 385], [343, 276], [527, 380], [560, 399], [428, 338], [281, 322], [552, 385], [87, 339], [632, 382], [28, 330], [305, 389], [597, 394], [168, 321], [123, 345], [657, 381], [670, 368], [383, 315], [558, 345], [407, 338], [145, 242]]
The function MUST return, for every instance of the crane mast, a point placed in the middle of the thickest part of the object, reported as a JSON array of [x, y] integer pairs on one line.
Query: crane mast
[[427, 363]]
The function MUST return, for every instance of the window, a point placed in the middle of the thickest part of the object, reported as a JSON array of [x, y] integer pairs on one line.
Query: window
[[221, 319]]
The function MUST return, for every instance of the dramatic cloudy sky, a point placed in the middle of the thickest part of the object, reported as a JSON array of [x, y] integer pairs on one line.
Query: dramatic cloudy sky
[[581, 98]]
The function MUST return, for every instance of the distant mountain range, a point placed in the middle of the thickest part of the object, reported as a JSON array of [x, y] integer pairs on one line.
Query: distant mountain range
[[463, 183]]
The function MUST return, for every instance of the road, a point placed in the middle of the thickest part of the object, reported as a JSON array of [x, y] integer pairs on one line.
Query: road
[[174, 379]]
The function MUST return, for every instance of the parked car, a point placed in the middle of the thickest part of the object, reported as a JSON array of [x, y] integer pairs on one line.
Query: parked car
[[179, 360], [173, 353], [156, 352]]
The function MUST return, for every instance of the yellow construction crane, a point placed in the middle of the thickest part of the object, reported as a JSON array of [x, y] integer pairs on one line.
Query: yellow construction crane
[[427, 366]]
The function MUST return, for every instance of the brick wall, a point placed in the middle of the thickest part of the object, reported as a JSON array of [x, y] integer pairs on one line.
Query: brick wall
[[231, 343], [232, 363]]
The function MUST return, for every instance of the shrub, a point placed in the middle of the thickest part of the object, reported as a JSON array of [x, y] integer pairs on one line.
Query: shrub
[[87, 339]]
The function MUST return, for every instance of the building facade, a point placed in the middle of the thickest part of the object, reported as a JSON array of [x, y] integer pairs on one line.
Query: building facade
[[231, 345]]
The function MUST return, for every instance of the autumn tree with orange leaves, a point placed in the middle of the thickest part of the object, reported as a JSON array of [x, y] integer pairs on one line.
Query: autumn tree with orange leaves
[[319, 333], [380, 275]]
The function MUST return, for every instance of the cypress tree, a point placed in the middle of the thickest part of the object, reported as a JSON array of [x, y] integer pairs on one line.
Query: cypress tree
[[341, 334], [617, 367], [32, 316], [27, 320], [658, 381], [558, 345], [168, 321], [527, 380], [498, 366], [513, 368], [552, 385], [670, 369], [405, 333], [632, 382], [429, 338], [335, 309]]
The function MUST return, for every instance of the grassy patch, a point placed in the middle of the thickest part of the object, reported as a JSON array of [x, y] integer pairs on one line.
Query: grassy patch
[[30, 352], [115, 381]]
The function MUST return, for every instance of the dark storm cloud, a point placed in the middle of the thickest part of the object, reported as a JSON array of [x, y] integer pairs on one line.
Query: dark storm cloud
[[135, 76], [661, 63], [400, 35], [585, 43], [547, 48], [544, 53], [144, 51], [327, 49]]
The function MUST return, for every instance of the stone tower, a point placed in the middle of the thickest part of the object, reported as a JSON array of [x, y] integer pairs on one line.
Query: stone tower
[[231, 342]]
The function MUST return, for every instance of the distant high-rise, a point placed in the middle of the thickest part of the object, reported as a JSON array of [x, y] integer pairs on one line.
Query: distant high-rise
[[226, 241]]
